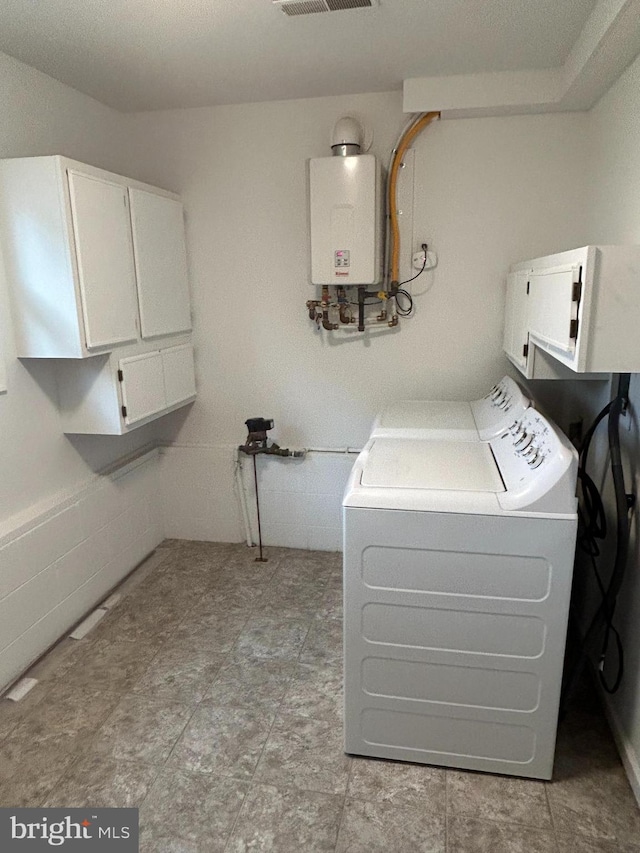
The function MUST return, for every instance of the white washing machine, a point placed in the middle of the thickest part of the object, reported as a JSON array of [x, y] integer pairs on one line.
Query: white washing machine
[[478, 420], [458, 560]]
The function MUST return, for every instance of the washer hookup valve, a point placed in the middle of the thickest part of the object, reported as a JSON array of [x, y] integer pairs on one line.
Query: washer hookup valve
[[258, 442]]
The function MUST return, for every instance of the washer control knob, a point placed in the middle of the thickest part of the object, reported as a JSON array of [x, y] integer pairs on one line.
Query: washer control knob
[[515, 427], [523, 439], [537, 461]]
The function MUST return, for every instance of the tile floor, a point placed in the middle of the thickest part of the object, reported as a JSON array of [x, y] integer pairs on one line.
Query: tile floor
[[210, 698]]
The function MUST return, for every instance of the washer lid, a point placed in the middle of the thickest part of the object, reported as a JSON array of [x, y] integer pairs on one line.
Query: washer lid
[[396, 463]]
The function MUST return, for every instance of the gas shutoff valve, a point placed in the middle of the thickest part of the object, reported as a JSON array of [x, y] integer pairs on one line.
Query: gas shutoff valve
[[257, 440]]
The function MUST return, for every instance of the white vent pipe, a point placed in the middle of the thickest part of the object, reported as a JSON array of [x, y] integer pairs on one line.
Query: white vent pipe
[[347, 137]]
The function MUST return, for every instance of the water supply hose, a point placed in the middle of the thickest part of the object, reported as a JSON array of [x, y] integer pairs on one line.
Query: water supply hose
[[405, 141]]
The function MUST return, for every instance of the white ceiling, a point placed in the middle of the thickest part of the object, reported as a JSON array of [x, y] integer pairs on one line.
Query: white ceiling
[[156, 54]]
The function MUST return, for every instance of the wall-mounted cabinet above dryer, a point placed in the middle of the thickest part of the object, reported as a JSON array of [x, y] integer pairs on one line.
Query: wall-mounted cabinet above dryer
[[575, 312], [95, 260]]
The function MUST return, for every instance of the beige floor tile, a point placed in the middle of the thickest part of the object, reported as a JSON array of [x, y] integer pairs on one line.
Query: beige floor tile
[[30, 767], [102, 782], [316, 691], [70, 712], [222, 740], [117, 666], [205, 631], [113, 711], [181, 674], [582, 844], [284, 821], [190, 811], [12, 713], [497, 798], [331, 605], [287, 599], [182, 588], [142, 728], [252, 683], [243, 565], [304, 753], [382, 827], [398, 783], [596, 802], [139, 619], [465, 835], [323, 644], [309, 567], [231, 597], [272, 639]]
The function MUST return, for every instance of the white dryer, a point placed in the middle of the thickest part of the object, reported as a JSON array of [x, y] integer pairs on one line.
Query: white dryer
[[478, 420], [458, 560]]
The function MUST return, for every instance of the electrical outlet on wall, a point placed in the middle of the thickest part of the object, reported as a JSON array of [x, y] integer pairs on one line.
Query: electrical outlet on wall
[[418, 260]]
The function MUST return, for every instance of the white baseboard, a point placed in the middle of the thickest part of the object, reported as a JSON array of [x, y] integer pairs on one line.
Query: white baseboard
[[56, 566]]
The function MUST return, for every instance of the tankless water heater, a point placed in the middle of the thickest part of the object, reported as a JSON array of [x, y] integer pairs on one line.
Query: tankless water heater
[[345, 220]]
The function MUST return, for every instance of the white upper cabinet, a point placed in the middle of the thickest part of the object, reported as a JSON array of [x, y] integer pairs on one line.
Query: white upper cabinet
[[554, 297], [97, 270], [579, 313], [88, 253], [161, 264], [179, 378], [516, 331], [104, 255], [142, 387], [113, 394]]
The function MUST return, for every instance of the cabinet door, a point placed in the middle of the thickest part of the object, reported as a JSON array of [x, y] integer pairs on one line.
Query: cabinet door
[[161, 264], [142, 386], [104, 253], [179, 377], [516, 325], [553, 306]]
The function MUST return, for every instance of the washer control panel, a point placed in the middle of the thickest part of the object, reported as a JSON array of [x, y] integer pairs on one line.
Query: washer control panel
[[536, 461], [505, 403]]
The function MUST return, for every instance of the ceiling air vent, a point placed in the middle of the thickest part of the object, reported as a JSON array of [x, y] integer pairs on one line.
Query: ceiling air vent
[[308, 7]]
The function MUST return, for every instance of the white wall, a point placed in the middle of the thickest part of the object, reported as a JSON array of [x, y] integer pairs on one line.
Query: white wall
[[488, 192], [614, 217], [37, 463]]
